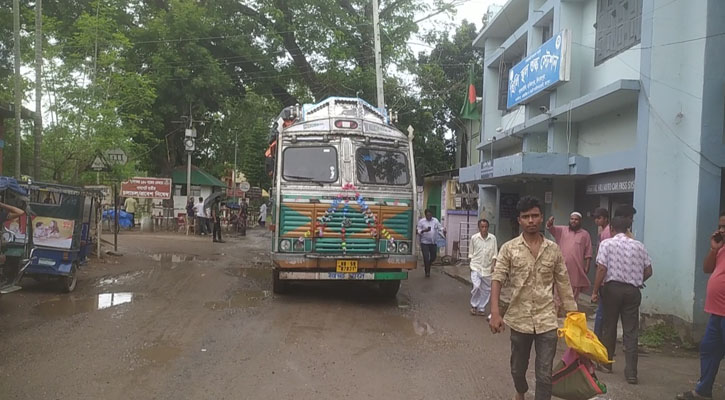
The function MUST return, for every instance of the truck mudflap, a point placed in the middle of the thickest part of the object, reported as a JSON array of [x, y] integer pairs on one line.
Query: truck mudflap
[[353, 276]]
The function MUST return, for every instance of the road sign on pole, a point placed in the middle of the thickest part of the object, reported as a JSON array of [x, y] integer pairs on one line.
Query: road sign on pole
[[115, 157]]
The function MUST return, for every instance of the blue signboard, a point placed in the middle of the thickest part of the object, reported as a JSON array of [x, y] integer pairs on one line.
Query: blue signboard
[[544, 68]]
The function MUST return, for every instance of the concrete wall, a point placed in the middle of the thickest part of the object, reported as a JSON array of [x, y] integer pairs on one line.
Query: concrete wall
[[670, 168], [608, 133], [180, 201], [709, 201]]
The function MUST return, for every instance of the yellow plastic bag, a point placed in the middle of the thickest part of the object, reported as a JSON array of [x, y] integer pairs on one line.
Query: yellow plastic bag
[[579, 338]]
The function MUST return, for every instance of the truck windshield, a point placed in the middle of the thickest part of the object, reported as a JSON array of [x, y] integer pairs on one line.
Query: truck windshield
[[310, 164], [381, 167]]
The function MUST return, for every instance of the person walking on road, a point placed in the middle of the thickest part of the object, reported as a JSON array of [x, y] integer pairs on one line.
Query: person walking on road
[[190, 211], [263, 214], [712, 346], [483, 250], [428, 228], [217, 221], [576, 246], [623, 265], [601, 218], [533, 266], [200, 217], [130, 207]]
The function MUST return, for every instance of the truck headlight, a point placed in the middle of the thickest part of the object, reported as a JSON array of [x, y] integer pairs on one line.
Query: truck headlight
[[299, 245], [391, 246], [403, 247], [285, 245]]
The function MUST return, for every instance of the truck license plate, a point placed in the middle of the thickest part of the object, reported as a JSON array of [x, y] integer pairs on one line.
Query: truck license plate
[[347, 266]]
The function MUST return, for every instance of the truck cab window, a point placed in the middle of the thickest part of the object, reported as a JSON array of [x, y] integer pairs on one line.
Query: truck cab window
[[310, 164], [381, 167]]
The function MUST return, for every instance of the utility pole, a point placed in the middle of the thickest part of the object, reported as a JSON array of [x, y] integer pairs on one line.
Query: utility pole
[[38, 123], [378, 57], [188, 159], [234, 173], [18, 95]]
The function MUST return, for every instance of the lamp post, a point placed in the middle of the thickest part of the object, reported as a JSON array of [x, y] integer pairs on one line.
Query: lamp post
[[189, 146]]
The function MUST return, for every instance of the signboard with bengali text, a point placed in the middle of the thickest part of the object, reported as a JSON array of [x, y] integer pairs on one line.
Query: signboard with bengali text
[[147, 188], [547, 66]]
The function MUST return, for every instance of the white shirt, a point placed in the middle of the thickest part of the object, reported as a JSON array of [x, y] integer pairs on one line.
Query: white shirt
[[263, 212], [483, 253], [428, 237], [199, 207]]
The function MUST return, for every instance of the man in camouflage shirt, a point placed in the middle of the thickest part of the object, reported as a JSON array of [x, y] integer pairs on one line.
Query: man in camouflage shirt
[[533, 265]]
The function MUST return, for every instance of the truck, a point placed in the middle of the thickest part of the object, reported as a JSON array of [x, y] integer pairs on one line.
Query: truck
[[343, 195]]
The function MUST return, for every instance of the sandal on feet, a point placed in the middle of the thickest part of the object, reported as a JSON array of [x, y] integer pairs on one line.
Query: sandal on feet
[[691, 395]]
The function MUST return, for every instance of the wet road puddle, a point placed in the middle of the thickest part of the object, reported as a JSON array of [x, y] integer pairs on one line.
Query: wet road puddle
[[119, 279], [179, 258], [257, 274], [242, 299], [63, 306], [160, 353]]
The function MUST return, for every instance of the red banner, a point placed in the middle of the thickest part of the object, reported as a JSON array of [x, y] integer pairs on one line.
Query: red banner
[[230, 193], [147, 188]]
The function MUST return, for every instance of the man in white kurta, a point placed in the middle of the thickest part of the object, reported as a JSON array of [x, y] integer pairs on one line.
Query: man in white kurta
[[483, 250]]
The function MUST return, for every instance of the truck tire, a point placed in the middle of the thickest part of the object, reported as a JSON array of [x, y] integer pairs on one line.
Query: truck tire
[[389, 288], [278, 285]]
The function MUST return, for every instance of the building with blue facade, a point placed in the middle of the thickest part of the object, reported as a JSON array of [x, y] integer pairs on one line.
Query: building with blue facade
[[599, 103]]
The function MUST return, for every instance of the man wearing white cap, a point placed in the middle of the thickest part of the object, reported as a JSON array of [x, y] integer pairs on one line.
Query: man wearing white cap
[[576, 246]]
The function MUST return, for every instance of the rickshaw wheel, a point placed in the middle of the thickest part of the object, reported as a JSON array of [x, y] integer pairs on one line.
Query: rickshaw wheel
[[69, 282]]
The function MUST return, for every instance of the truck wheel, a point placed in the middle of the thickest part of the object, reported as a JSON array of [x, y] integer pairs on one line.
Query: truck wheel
[[68, 283], [389, 288], [278, 285]]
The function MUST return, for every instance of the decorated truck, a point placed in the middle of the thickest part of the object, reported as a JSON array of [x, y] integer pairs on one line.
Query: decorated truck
[[343, 197]]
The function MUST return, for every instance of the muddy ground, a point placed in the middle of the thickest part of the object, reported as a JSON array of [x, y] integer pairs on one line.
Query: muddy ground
[[178, 317]]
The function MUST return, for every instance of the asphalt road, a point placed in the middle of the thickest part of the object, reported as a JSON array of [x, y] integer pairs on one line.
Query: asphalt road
[[178, 317]]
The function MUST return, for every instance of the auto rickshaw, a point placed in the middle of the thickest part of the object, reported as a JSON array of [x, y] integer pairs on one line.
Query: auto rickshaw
[[62, 230], [15, 250]]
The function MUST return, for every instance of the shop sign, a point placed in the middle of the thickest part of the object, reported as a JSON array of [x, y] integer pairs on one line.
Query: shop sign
[[545, 67], [486, 170], [611, 183], [147, 188]]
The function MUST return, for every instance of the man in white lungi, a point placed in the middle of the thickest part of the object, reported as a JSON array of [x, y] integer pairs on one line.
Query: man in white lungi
[[483, 250]]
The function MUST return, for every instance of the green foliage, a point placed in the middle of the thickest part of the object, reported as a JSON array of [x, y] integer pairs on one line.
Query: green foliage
[[658, 335], [125, 74]]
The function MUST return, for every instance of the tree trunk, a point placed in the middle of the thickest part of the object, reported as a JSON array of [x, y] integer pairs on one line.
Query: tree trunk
[[18, 94], [38, 126]]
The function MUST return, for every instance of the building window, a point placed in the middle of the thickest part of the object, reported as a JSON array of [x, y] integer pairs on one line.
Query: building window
[[545, 33], [503, 85], [618, 27]]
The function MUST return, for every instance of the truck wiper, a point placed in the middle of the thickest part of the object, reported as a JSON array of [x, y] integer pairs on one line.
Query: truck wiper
[[304, 178]]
